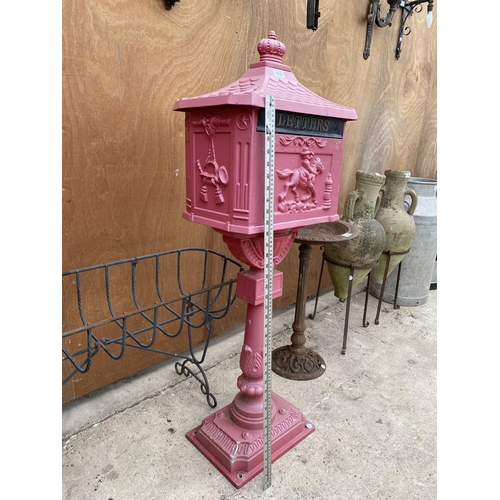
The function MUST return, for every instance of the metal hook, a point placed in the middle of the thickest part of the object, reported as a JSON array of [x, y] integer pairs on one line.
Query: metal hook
[[170, 3], [313, 14]]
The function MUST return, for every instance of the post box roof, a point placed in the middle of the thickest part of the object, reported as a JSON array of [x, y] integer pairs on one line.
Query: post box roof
[[269, 76]]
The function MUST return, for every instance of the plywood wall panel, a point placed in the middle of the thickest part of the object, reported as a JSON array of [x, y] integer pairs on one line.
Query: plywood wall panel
[[126, 62]]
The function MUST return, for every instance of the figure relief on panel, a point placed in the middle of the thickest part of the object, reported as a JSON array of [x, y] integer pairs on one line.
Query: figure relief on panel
[[301, 183], [211, 172]]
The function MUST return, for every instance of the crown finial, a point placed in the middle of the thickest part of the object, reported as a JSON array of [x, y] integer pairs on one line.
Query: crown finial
[[271, 49]]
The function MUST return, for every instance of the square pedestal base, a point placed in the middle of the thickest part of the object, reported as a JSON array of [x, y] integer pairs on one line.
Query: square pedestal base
[[238, 453]]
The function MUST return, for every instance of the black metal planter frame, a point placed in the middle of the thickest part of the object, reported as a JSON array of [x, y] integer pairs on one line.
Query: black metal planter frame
[[187, 311]]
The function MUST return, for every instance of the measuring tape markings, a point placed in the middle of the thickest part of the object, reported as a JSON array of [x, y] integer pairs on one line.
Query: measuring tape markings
[[268, 281]]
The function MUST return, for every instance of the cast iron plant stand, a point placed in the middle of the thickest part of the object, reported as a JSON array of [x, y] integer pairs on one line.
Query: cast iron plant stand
[[296, 361]]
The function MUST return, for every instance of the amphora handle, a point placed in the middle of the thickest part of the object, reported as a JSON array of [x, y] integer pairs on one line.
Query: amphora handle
[[380, 196], [350, 201], [414, 200]]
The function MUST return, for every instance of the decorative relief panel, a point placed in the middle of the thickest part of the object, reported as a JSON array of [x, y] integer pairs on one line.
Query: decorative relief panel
[[211, 173], [243, 121], [251, 364], [299, 191], [302, 178], [302, 141], [253, 249], [241, 181]]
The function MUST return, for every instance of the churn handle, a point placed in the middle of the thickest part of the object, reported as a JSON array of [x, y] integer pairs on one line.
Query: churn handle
[[414, 200], [350, 201]]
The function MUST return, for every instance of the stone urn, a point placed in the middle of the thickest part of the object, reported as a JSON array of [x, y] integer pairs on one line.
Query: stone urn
[[363, 251], [398, 224]]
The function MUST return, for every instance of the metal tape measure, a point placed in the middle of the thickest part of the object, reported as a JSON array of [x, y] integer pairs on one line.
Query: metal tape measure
[[268, 280]]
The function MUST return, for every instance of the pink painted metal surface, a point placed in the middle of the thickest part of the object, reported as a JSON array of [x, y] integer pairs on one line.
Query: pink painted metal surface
[[249, 249], [225, 148], [225, 152], [237, 451], [232, 437], [250, 286], [269, 76]]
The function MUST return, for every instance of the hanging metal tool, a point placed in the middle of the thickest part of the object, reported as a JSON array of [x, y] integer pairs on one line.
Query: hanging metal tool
[[313, 14]]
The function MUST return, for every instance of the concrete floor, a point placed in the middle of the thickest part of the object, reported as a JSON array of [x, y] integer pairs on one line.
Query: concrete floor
[[374, 412]]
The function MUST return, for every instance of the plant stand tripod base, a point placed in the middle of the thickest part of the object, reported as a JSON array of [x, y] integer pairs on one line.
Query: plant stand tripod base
[[238, 453]]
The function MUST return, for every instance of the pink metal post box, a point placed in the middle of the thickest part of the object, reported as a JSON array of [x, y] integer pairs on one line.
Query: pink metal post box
[[225, 150], [225, 158]]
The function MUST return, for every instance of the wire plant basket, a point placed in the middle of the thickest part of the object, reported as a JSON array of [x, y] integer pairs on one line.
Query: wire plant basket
[[128, 304]]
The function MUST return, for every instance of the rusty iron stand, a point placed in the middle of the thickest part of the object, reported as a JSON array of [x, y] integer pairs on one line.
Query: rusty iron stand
[[389, 254], [351, 268], [296, 361]]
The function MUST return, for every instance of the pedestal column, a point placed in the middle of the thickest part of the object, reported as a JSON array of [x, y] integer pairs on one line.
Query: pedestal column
[[232, 437]]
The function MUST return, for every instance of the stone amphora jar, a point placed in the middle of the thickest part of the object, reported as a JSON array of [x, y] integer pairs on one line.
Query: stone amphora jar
[[419, 266], [398, 224], [364, 250]]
